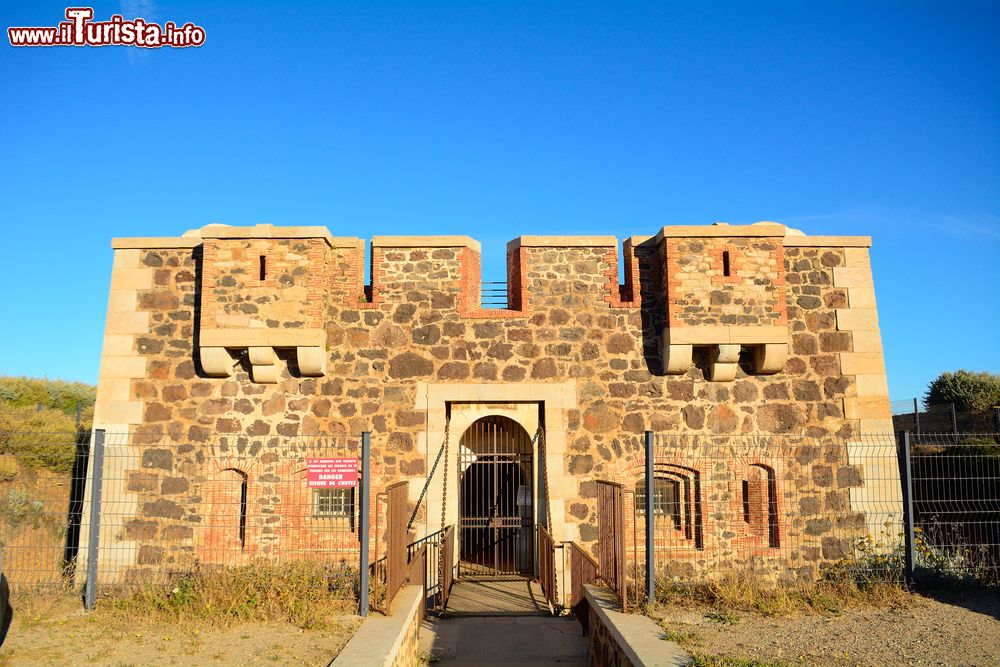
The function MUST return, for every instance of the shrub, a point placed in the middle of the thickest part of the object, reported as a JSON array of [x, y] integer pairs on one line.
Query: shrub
[[969, 391]]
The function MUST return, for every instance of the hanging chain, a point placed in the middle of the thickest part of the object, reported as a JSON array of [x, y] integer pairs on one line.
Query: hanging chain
[[540, 436], [444, 504], [427, 484]]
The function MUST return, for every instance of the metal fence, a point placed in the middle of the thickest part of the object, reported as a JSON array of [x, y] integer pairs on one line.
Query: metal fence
[[907, 416], [143, 509], [42, 484], [794, 508]]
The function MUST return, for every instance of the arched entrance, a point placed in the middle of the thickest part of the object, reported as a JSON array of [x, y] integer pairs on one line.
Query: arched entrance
[[495, 525]]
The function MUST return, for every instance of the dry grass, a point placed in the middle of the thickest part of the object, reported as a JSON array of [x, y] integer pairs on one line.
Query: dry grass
[[305, 594], [741, 592]]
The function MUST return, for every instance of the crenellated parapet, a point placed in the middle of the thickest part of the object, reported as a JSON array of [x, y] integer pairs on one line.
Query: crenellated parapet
[[263, 296], [725, 291]]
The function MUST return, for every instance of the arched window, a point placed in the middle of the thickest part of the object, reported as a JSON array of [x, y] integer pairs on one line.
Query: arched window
[[760, 504], [677, 505]]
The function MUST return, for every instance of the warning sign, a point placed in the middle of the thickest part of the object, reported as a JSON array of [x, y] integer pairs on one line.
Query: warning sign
[[331, 473]]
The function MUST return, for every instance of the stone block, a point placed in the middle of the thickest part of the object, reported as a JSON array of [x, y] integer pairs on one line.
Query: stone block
[[216, 361], [127, 323], [866, 407], [770, 358], [845, 276], [867, 341], [122, 301], [118, 345], [862, 363], [126, 259], [123, 367], [265, 374], [114, 389], [871, 385], [117, 412], [677, 359], [262, 356], [311, 360], [857, 319], [857, 258], [131, 279], [861, 297]]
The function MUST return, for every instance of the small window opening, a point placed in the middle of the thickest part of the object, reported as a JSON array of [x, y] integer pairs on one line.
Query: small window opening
[[760, 504], [243, 507], [263, 267], [725, 262], [334, 503], [243, 513]]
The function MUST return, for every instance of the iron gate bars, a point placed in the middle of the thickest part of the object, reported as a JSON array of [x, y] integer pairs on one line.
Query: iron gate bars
[[611, 538], [495, 498]]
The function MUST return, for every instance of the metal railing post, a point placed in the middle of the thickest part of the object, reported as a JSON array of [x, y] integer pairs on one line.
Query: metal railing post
[[363, 520], [650, 521], [916, 416], [909, 520], [954, 419], [94, 539]]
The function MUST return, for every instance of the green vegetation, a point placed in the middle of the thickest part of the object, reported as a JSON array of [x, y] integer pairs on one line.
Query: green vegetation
[[969, 391], [43, 438], [307, 594], [56, 395]]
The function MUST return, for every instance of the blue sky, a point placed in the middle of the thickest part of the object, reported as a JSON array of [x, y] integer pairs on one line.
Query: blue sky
[[496, 120]]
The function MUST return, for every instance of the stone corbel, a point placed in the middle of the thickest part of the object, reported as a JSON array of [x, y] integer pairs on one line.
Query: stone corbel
[[677, 359], [263, 364], [216, 362], [770, 357], [724, 362], [311, 360]]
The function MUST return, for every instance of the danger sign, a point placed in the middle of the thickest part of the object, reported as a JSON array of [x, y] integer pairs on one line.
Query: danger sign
[[331, 473]]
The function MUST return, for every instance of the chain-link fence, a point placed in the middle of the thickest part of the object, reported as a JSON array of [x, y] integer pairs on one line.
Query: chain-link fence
[[799, 508], [911, 416], [144, 509], [42, 483]]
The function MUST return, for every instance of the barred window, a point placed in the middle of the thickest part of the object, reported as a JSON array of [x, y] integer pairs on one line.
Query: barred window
[[666, 499], [336, 503]]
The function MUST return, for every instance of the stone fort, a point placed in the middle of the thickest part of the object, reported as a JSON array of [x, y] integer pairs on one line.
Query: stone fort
[[228, 337]]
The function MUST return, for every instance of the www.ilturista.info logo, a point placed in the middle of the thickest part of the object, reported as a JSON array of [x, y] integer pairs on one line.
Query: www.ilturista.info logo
[[80, 30]]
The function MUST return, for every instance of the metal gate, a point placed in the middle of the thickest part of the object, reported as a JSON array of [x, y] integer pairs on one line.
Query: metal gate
[[496, 494]]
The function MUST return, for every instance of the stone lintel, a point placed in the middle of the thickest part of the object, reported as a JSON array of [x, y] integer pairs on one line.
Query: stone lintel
[[426, 242], [828, 241], [262, 337], [156, 242], [268, 231], [769, 229], [563, 242], [724, 335]]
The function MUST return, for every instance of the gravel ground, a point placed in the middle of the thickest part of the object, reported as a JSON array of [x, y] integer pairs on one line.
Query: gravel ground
[[66, 635], [955, 629]]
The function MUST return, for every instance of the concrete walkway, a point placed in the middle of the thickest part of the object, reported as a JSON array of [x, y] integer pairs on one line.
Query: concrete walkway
[[501, 622], [507, 640]]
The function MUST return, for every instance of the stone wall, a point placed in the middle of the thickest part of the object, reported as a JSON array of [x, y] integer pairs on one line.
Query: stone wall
[[398, 352]]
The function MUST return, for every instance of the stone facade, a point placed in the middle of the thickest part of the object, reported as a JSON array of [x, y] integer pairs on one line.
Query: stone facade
[[230, 334]]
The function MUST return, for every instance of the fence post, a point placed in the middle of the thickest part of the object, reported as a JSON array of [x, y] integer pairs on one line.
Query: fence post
[[954, 419], [916, 416], [93, 543], [909, 520], [363, 522], [650, 519]]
